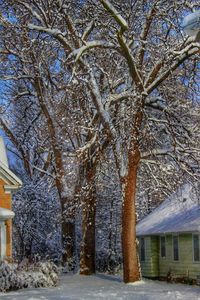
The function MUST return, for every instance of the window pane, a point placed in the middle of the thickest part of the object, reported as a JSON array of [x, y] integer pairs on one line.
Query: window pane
[[175, 247], [196, 247], [162, 246], [142, 249]]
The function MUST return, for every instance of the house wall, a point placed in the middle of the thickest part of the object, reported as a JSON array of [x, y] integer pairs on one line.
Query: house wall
[[149, 267], [185, 266], [156, 266], [5, 202]]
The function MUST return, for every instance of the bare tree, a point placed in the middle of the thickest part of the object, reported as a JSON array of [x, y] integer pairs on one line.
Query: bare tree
[[127, 58]]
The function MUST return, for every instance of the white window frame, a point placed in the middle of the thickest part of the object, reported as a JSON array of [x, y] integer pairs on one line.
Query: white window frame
[[175, 235], [163, 257], [195, 261]]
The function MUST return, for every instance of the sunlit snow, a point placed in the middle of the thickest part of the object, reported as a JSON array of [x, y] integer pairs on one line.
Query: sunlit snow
[[107, 287]]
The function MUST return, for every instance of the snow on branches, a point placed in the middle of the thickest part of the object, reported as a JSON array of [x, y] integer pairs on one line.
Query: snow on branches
[[12, 276]]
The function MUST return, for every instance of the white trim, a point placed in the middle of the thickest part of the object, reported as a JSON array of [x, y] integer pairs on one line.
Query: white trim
[[6, 214], [3, 155], [10, 178], [3, 240], [9, 188]]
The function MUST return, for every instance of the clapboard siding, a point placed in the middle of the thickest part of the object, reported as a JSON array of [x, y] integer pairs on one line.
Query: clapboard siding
[[156, 266], [185, 266], [149, 267]]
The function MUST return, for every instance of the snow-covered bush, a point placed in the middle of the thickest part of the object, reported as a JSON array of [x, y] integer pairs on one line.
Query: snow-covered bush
[[42, 274], [8, 277]]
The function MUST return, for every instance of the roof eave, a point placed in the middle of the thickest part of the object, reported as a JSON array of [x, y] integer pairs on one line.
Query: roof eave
[[12, 188], [7, 173], [170, 232]]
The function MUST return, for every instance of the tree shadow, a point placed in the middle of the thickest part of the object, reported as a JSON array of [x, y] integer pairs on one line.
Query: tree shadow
[[109, 277]]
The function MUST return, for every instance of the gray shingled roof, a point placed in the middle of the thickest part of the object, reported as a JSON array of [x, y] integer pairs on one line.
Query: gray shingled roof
[[178, 213]]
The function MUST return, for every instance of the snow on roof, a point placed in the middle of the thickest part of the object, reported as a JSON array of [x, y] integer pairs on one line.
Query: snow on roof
[[3, 156], [13, 181], [191, 23], [178, 213]]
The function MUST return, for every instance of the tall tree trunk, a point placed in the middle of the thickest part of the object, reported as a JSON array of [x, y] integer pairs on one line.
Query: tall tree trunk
[[68, 242], [87, 255], [68, 232], [129, 244]]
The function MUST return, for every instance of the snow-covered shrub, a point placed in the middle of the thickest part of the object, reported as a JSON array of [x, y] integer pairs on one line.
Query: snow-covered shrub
[[42, 274], [8, 277]]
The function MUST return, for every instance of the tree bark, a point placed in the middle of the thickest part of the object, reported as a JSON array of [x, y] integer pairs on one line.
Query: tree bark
[[68, 244], [87, 255], [129, 245], [131, 268], [68, 231]]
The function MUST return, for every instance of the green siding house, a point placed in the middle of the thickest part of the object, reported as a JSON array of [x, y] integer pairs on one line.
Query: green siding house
[[169, 238]]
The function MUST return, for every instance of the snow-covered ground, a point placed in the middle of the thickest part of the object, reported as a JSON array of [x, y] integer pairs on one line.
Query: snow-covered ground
[[106, 287]]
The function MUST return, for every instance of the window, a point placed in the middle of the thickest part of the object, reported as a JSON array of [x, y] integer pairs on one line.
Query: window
[[175, 248], [162, 246], [196, 250], [142, 249]]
